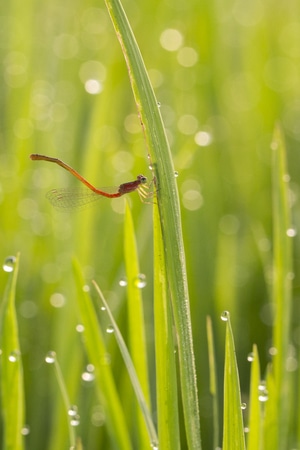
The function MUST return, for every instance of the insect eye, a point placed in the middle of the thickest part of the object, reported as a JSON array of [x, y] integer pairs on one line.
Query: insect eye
[[142, 178]]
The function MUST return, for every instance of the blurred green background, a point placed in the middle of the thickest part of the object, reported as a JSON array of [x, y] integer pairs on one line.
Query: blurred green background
[[224, 73]]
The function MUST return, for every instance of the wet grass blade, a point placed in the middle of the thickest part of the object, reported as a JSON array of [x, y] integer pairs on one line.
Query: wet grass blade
[[282, 282], [153, 439], [170, 217], [213, 386], [12, 390], [136, 323], [97, 353], [254, 440], [233, 429], [166, 378]]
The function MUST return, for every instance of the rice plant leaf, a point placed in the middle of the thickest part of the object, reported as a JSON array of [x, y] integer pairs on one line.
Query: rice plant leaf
[[97, 353], [213, 387], [153, 439], [233, 429], [166, 378], [254, 441], [283, 233], [170, 218], [12, 390], [136, 322], [270, 412]]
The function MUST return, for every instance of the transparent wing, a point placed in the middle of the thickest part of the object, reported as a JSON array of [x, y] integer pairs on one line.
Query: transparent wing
[[66, 198]]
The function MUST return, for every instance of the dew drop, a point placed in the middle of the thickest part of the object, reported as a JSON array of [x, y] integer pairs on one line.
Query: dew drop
[[243, 406], [80, 328], [159, 104], [154, 445], [75, 421], [25, 430], [110, 329], [263, 397], [103, 308], [9, 264], [72, 411], [225, 316], [176, 174], [140, 281], [250, 357], [14, 356], [123, 282], [262, 392], [50, 357], [88, 375], [291, 232]]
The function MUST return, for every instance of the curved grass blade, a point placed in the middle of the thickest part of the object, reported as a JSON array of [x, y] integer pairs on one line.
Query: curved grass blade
[[233, 429], [254, 440], [170, 218], [213, 386], [132, 374], [282, 283], [12, 390], [97, 353], [166, 378], [51, 359], [136, 323]]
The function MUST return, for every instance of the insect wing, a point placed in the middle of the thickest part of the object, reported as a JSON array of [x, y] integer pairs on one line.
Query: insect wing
[[67, 199]]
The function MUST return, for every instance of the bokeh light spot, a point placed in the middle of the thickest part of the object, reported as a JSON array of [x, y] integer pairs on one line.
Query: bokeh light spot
[[171, 39], [187, 57]]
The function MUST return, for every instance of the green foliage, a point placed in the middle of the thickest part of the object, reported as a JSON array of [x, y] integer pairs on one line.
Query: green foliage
[[222, 75]]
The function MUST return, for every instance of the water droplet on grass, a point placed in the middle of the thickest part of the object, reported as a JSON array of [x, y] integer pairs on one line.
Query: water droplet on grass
[[225, 316], [73, 410], [25, 430], [291, 232], [9, 264], [123, 282], [14, 356], [110, 329], [263, 394], [79, 328], [50, 357], [250, 357], [140, 281], [88, 375], [75, 421]]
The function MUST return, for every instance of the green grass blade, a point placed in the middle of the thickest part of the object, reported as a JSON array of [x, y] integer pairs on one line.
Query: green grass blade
[[233, 429], [213, 386], [97, 354], [136, 323], [166, 379], [52, 359], [282, 281], [270, 413], [12, 390], [169, 215], [153, 439], [254, 441]]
